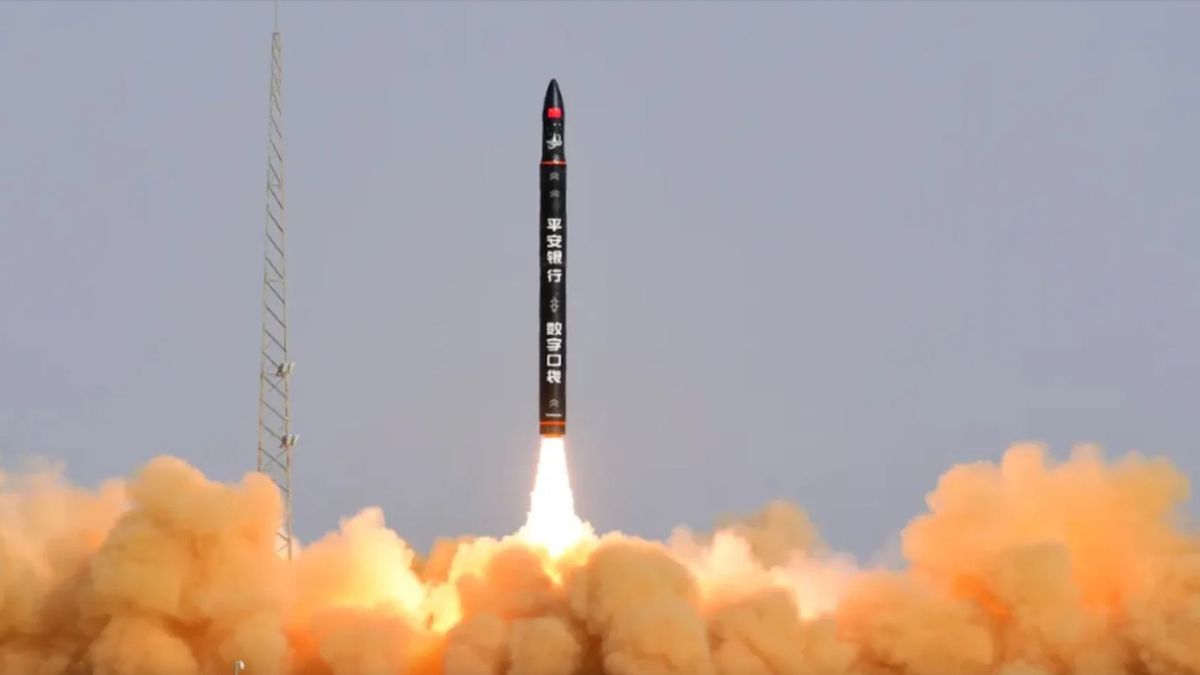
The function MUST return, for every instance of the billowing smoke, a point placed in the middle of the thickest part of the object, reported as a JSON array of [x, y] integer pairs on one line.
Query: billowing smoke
[[1028, 567]]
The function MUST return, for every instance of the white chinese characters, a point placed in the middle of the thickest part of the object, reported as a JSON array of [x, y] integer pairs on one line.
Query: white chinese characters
[[555, 244]]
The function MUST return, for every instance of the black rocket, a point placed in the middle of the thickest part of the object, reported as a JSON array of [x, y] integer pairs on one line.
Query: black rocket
[[552, 296]]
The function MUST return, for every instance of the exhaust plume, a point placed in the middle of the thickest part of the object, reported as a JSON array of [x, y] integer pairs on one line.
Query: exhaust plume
[[552, 524], [1025, 567]]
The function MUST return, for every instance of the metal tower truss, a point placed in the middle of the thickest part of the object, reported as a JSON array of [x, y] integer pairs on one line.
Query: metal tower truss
[[275, 438]]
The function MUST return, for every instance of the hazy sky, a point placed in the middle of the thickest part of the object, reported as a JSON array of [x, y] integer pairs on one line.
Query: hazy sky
[[818, 252]]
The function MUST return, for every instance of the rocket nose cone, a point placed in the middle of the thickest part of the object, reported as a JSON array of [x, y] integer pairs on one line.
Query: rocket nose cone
[[553, 96]]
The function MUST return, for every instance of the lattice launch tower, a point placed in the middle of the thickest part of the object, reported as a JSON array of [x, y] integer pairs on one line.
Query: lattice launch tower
[[275, 438]]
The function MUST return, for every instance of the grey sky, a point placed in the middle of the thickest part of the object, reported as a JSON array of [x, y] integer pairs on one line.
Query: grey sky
[[818, 252]]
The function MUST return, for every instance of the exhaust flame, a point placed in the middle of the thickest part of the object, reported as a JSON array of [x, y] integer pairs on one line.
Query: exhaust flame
[[552, 524]]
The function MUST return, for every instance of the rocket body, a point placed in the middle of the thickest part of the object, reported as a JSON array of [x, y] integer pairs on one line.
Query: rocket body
[[552, 296]]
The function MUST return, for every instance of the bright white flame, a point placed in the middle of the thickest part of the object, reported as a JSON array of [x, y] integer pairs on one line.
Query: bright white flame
[[552, 523]]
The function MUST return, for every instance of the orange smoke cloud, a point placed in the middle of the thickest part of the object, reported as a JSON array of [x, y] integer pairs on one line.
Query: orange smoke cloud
[[1028, 567]]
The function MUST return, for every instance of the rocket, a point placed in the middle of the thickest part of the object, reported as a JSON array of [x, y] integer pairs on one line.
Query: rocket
[[552, 296]]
